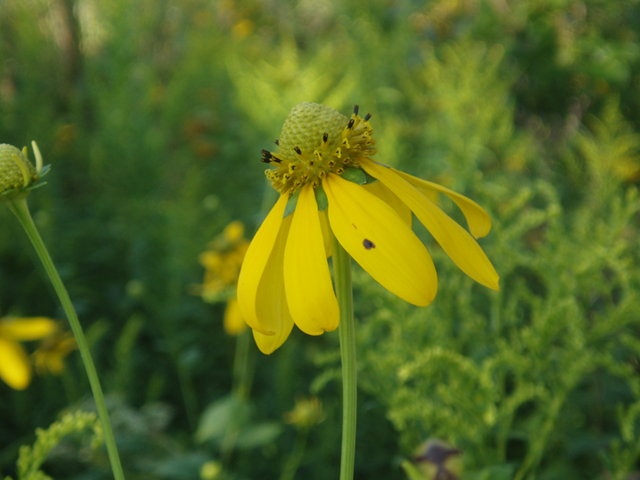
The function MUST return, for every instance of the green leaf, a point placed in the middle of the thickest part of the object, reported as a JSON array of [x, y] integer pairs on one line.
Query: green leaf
[[220, 416], [321, 198], [185, 466], [258, 435]]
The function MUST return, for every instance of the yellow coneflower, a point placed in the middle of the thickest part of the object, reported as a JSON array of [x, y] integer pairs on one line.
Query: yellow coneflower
[[15, 368], [328, 183]]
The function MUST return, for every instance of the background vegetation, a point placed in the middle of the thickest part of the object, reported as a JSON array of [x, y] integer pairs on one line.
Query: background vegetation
[[153, 113]]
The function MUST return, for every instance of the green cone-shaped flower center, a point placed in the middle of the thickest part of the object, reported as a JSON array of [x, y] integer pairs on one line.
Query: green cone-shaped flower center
[[11, 173], [315, 141]]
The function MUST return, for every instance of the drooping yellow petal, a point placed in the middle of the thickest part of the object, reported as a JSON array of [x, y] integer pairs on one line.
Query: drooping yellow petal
[[15, 369], [255, 262], [27, 329], [454, 240], [271, 300], [312, 302], [478, 220], [326, 233], [380, 241], [383, 193], [234, 323]]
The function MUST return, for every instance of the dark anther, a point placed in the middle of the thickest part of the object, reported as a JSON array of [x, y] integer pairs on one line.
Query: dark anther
[[355, 109], [366, 119], [368, 244], [325, 137], [298, 151], [350, 124], [277, 142], [267, 157]]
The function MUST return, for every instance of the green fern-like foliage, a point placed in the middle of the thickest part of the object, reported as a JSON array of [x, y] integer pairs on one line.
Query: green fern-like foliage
[[536, 378], [31, 458]]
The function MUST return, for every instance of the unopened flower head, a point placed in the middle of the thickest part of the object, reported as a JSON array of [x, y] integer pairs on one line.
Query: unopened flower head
[[17, 173], [329, 185]]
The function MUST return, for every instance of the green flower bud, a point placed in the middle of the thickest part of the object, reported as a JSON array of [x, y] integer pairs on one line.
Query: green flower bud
[[17, 174]]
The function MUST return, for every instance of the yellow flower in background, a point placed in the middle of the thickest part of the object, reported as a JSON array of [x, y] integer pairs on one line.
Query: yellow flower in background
[[234, 323], [306, 413], [328, 183], [15, 368], [51, 352], [223, 260], [222, 263]]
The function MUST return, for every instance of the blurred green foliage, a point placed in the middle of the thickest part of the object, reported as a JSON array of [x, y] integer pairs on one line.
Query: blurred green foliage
[[153, 114]]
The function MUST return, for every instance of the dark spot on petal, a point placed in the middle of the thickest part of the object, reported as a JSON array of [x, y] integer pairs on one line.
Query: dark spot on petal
[[354, 226], [368, 244]]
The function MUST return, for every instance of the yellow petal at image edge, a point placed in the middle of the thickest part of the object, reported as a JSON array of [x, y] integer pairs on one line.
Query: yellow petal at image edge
[[254, 264], [478, 220], [454, 240], [312, 302], [15, 369], [27, 329], [380, 241], [271, 299]]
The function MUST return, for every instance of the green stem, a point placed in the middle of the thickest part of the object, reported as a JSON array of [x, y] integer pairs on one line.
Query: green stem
[[243, 366], [342, 272], [241, 388], [21, 210], [295, 458]]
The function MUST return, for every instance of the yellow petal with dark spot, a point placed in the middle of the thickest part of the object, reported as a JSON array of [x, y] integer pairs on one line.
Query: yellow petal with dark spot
[[271, 300], [312, 302], [380, 241], [478, 220], [255, 262], [27, 329], [383, 193], [15, 369], [454, 240]]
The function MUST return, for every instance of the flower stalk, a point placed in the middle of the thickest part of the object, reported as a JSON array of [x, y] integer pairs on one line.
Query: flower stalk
[[20, 208], [344, 291]]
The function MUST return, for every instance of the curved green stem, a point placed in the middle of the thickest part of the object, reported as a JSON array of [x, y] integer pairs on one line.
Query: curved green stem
[[342, 272], [21, 210]]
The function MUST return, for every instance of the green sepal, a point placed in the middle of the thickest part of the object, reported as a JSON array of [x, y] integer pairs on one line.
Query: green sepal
[[321, 199], [354, 175], [14, 192], [291, 204], [370, 179]]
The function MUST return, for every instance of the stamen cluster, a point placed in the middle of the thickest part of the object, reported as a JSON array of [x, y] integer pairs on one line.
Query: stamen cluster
[[317, 140]]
